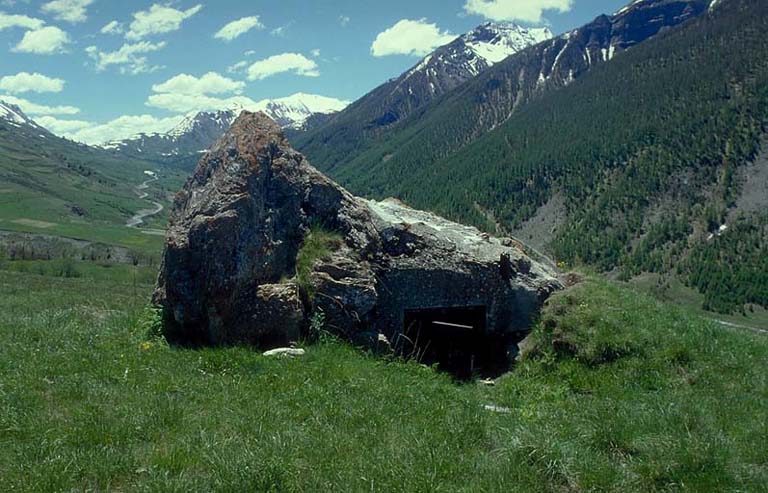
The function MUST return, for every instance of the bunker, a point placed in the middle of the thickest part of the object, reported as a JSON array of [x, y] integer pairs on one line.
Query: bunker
[[435, 289], [456, 339]]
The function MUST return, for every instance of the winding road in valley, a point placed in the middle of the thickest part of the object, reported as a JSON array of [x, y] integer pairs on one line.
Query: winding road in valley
[[141, 190]]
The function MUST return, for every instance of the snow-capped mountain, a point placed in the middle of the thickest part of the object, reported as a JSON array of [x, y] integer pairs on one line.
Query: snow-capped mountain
[[473, 53], [293, 111], [443, 70], [492, 42], [183, 144], [450, 66], [455, 63], [472, 104], [10, 113]]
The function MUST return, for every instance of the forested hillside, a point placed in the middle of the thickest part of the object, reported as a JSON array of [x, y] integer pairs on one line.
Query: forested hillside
[[644, 150], [346, 146], [443, 70]]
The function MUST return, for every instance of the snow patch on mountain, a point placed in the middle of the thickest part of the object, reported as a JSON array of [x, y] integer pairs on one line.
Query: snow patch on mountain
[[289, 112], [192, 122], [14, 115], [477, 50], [196, 132], [293, 111], [494, 42]]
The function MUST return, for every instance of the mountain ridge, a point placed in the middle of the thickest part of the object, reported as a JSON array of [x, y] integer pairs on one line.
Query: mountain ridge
[[485, 101], [641, 156], [182, 145], [438, 73]]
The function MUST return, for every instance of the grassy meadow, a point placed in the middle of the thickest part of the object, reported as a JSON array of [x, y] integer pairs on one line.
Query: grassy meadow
[[617, 392], [56, 187]]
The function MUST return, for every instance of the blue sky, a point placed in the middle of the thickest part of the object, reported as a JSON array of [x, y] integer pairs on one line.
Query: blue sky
[[91, 62]]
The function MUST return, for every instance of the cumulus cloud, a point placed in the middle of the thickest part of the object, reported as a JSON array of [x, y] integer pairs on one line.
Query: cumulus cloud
[[31, 108], [409, 37], [159, 19], [210, 83], [62, 127], [26, 82], [117, 129], [516, 10], [73, 11], [186, 93], [113, 27], [193, 103], [8, 21], [285, 62], [238, 67], [344, 20], [239, 27], [188, 103], [129, 58], [44, 41]]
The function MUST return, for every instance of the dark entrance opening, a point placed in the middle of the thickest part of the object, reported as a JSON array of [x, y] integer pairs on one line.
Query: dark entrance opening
[[456, 340]]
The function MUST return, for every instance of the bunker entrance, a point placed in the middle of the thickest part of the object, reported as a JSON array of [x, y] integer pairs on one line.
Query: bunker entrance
[[456, 339]]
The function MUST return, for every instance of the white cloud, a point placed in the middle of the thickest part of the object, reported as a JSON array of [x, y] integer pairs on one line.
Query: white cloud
[[8, 21], [238, 28], [31, 108], [44, 41], [344, 20], [159, 19], [68, 10], [187, 103], [279, 31], [516, 10], [26, 82], [129, 57], [286, 62], [315, 53], [61, 127], [186, 93], [117, 129], [238, 67], [113, 27], [409, 37], [210, 83], [193, 103]]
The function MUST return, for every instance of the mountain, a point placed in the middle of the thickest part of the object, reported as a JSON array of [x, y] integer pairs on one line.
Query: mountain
[[656, 162], [57, 187], [460, 115], [437, 74], [13, 115], [182, 145], [448, 67], [293, 111]]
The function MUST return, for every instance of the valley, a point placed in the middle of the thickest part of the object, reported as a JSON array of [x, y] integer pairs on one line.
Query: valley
[[533, 257], [138, 219]]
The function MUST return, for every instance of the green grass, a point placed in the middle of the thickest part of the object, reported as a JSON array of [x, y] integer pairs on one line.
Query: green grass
[[318, 244], [617, 392], [67, 268], [55, 187], [670, 289]]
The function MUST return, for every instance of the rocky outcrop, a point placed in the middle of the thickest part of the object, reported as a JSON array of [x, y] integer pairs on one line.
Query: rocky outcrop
[[237, 228]]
